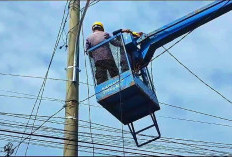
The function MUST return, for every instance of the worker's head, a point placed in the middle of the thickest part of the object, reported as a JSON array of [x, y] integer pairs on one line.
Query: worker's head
[[97, 26]]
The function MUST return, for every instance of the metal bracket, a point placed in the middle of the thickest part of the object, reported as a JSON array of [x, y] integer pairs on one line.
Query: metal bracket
[[75, 68], [134, 133], [69, 67], [70, 117]]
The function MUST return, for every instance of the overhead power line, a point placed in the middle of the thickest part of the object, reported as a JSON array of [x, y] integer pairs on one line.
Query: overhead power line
[[61, 138], [198, 112], [42, 88], [100, 136], [109, 129], [111, 137], [38, 77], [62, 101], [217, 92], [22, 140]]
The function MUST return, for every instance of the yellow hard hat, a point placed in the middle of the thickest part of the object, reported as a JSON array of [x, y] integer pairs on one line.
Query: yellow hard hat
[[97, 24]]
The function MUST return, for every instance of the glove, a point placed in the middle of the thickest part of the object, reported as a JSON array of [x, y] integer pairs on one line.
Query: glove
[[137, 34]]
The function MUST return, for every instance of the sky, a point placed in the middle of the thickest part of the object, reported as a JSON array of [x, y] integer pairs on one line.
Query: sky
[[28, 31]]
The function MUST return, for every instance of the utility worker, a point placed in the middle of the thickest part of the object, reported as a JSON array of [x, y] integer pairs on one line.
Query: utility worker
[[102, 56]]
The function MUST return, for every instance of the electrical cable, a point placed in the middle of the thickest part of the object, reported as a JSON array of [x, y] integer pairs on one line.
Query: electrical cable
[[46, 75], [60, 100], [41, 143], [99, 135], [22, 140], [109, 137], [198, 112], [38, 77], [88, 90], [120, 100], [86, 142], [217, 92], [41, 91]]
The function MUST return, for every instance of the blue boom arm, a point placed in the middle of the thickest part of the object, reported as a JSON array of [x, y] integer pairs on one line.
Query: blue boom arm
[[150, 42]]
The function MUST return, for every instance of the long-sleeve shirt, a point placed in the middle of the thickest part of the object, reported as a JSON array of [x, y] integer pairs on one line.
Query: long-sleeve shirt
[[103, 52]]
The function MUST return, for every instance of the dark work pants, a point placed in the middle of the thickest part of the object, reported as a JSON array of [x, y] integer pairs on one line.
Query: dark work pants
[[123, 61], [102, 67]]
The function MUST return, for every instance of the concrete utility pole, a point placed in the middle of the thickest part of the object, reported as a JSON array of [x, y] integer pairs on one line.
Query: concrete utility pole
[[72, 95]]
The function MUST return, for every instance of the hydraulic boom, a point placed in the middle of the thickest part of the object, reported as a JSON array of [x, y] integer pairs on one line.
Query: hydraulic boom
[[152, 41]]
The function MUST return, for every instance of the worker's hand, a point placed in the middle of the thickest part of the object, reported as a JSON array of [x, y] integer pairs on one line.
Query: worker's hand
[[140, 34], [137, 34], [107, 35], [126, 31]]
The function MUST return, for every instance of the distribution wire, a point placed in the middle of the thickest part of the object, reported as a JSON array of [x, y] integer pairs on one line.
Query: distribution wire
[[86, 142], [198, 112], [141, 150], [41, 91], [22, 140], [58, 122], [107, 128], [49, 130], [39, 77], [169, 148], [217, 92], [144, 151], [120, 102], [171, 46], [88, 89], [44, 82], [62, 101], [41, 143], [98, 135]]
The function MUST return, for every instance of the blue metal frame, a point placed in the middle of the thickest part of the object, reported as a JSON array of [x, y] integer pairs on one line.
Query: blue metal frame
[[138, 99], [149, 43], [134, 133], [126, 54], [106, 41]]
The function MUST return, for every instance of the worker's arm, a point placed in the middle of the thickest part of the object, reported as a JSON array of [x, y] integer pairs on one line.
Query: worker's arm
[[117, 31], [135, 34], [87, 46]]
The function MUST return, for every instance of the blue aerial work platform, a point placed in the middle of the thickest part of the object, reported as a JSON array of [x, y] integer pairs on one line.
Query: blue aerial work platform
[[130, 95], [126, 96]]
